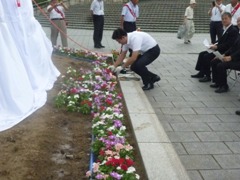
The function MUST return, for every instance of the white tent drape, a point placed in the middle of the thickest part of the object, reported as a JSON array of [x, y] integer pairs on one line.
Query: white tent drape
[[26, 68]]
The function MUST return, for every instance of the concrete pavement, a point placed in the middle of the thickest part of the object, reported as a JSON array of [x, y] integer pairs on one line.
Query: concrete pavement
[[200, 124]]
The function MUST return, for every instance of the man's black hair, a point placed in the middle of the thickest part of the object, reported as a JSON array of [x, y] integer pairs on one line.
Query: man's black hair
[[118, 33], [227, 14]]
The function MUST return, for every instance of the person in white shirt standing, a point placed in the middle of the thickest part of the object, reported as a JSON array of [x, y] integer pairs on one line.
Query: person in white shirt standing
[[97, 11], [145, 51], [188, 21], [234, 9], [57, 16], [129, 15], [215, 12]]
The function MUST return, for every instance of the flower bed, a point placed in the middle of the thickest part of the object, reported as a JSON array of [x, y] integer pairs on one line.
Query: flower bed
[[95, 92]]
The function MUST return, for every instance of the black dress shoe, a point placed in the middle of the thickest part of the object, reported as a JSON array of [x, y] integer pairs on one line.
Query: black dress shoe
[[148, 86], [215, 85], [222, 89], [97, 46], [205, 79], [198, 75], [156, 79], [102, 46], [237, 112]]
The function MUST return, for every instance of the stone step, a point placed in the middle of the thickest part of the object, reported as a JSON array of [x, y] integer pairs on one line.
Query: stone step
[[162, 16]]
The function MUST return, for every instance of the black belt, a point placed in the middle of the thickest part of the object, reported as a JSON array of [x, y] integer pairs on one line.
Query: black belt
[[189, 19], [57, 19]]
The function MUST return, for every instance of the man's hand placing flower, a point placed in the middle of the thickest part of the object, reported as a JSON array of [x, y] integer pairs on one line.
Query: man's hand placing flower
[[118, 69], [112, 68]]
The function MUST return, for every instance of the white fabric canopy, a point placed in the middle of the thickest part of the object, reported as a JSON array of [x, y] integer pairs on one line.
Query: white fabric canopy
[[26, 68]]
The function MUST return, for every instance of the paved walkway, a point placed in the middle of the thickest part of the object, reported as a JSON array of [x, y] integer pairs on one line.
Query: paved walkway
[[201, 124]]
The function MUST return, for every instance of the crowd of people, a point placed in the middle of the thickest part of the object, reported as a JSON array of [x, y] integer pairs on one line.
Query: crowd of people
[[27, 71], [224, 33], [223, 53]]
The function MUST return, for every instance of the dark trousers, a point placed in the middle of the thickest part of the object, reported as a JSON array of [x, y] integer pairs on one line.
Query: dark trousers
[[204, 63], [216, 29], [219, 70], [98, 22], [139, 66], [129, 27]]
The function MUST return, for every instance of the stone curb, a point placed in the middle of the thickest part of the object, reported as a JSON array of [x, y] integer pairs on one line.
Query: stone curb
[[159, 157]]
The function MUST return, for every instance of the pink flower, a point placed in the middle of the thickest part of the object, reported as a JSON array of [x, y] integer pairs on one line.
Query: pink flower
[[118, 147], [95, 167], [108, 152], [88, 174], [128, 147]]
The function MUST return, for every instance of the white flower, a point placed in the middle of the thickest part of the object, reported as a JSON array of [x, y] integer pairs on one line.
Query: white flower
[[118, 135], [71, 102], [98, 123], [111, 128], [131, 169], [103, 162], [101, 132], [76, 96], [123, 128], [116, 157], [109, 109]]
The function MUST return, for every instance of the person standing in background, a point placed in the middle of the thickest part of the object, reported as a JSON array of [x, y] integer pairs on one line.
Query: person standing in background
[[188, 21], [216, 28], [234, 10], [97, 11], [129, 15], [57, 16]]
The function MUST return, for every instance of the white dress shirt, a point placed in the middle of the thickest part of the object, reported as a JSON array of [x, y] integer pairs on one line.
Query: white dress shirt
[[128, 16], [216, 14], [54, 14], [229, 9], [97, 7], [139, 41]]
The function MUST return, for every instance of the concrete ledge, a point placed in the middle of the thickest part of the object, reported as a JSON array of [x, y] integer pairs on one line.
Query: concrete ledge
[[159, 157]]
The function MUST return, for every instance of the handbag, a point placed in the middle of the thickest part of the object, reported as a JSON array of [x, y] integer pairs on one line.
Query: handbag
[[181, 31]]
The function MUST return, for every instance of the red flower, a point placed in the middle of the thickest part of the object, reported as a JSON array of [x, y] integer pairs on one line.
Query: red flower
[[129, 162], [104, 86], [102, 108], [124, 167], [80, 79], [109, 102], [73, 91], [101, 152], [113, 162], [121, 161], [86, 102]]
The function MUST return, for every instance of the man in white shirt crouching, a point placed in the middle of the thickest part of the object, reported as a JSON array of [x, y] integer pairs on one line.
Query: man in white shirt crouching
[[145, 51]]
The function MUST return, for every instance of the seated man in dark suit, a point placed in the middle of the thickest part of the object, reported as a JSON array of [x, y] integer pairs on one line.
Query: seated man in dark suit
[[231, 60], [225, 42]]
